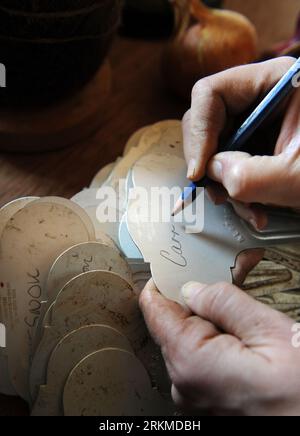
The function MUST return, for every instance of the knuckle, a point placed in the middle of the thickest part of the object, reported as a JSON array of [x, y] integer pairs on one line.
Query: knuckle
[[198, 133], [191, 335], [282, 64], [237, 182], [287, 61], [200, 87], [195, 90], [143, 300], [186, 118], [224, 287], [217, 299]]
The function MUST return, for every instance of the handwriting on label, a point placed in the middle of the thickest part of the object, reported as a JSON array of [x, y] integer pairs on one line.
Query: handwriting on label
[[34, 291], [175, 255], [87, 264]]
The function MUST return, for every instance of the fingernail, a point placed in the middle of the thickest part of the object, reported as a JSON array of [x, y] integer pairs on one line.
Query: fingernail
[[190, 288], [216, 168], [191, 169]]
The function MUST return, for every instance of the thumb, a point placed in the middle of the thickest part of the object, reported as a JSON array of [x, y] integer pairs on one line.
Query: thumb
[[231, 310], [258, 179]]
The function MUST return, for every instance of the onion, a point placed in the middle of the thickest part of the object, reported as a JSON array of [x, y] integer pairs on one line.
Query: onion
[[216, 40]]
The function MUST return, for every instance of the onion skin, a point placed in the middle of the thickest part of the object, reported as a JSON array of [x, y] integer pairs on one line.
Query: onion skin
[[219, 40]]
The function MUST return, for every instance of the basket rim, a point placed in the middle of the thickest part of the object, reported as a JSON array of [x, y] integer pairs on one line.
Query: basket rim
[[110, 33], [61, 14]]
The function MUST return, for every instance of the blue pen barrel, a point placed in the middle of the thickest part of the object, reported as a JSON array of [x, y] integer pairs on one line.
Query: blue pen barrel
[[289, 82], [284, 87]]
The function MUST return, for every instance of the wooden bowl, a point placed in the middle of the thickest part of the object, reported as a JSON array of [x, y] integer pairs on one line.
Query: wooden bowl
[[49, 5], [51, 48], [97, 20], [63, 124]]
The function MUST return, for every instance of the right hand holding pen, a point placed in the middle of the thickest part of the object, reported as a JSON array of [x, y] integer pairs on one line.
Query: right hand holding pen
[[242, 179]]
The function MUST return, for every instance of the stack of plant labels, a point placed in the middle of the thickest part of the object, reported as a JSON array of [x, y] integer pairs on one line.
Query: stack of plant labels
[[71, 272], [70, 308], [76, 340]]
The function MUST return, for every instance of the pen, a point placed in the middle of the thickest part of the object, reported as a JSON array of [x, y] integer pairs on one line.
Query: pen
[[289, 82]]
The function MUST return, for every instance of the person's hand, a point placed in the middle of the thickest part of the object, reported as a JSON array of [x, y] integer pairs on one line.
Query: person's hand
[[245, 180], [226, 353]]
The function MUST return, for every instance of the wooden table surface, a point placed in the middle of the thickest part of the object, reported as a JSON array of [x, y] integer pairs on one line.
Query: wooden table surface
[[138, 98]]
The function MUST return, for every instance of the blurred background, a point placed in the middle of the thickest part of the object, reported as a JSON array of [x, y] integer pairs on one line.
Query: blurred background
[[51, 49]]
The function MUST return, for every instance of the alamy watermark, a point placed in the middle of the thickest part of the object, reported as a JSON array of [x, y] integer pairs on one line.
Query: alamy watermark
[[2, 336], [2, 76], [153, 205]]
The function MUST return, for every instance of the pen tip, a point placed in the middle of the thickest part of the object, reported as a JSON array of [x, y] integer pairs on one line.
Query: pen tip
[[178, 207]]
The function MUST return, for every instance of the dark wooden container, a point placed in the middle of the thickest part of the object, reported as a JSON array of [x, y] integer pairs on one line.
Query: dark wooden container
[[49, 5], [96, 20], [51, 48]]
